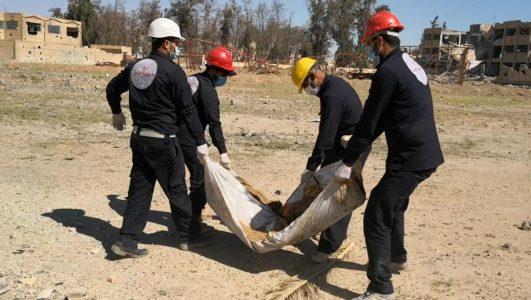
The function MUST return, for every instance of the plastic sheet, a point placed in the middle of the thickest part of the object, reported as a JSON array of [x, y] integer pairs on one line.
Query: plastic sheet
[[260, 227]]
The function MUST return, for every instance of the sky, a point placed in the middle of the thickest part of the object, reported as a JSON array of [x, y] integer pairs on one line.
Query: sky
[[414, 14]]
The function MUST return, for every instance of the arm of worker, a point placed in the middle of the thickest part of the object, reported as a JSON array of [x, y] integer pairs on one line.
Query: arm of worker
[[331, 114], [370, 125], [116, 87], [213, 119], [182, 95]]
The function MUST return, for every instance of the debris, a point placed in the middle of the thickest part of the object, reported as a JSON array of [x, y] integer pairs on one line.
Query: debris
[[77, 293], [252, 234], [69, 158], [278, 192], [28, 280], [4, 286], [526, 225], [507, 246], [303, 286], [511, 76], [235, 102], [110, 279], [45, 294]]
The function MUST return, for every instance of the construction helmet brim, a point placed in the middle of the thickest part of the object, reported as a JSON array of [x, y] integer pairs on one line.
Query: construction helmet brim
[[301, 70], [163, 28]]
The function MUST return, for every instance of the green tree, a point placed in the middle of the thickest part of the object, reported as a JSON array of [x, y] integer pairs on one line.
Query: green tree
[[319, 28], [86, 12], [55, 12]]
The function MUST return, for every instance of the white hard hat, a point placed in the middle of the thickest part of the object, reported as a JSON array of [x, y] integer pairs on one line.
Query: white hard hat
[[163, 27]]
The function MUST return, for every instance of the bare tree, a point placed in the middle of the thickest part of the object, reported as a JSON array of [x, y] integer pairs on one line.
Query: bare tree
[[148, 10], [263, 31], [226, 25]]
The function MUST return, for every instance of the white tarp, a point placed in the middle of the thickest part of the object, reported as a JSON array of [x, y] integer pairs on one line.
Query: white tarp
[[245, 216]]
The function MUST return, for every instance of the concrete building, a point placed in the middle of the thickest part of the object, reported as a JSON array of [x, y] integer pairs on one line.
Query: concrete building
[[28, 38], [511, 43], [440, 47], [480, 37]]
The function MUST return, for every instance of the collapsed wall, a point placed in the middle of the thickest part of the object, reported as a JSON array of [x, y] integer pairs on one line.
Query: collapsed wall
[[41, 52], [516, 77]]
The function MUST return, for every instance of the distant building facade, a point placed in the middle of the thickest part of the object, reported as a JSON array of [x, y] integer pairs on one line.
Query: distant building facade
[[440, 47], [511, 45], [28, 38]]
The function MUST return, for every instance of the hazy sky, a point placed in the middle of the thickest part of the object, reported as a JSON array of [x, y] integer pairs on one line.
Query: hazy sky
[[415, 14]]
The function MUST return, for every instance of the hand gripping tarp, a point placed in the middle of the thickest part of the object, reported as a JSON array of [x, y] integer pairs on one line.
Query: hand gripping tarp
[[261, 228]]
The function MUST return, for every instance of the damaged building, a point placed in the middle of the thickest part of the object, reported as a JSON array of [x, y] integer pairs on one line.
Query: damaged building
[[479, 37], [441, 49], [27, 38], [511, 43], [501, 50]]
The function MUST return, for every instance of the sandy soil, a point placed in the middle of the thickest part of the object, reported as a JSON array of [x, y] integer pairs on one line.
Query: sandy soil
[[64, 174]]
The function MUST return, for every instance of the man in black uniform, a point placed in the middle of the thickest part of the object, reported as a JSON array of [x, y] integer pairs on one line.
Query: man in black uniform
[[160, 100], [400, 105], [203, 85], [341, 109]]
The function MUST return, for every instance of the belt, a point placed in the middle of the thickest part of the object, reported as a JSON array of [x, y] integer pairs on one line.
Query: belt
[[151, 133]]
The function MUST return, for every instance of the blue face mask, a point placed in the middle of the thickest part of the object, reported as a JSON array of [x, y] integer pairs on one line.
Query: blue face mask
[[373, 56], [220, 81], [175, 54]]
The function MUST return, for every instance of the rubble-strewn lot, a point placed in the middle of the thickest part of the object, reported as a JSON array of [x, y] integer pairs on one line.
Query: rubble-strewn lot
[[64, 174]]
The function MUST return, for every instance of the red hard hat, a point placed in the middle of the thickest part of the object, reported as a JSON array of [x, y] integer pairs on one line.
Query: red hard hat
[[222, 58], [381, 21]]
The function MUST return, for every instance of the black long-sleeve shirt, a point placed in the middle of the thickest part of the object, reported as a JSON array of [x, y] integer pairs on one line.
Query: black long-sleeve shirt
[[159, 96], [341, 109], [206, 99], [400, 105]]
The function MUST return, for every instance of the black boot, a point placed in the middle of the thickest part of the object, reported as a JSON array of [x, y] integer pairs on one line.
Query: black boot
[[121, 250], [202, 241]]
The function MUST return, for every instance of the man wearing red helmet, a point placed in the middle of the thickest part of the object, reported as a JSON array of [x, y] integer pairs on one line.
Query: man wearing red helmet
[[218, 67], [400, 105]]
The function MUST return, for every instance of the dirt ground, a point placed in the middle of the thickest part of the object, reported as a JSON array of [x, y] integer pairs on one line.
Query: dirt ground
[[64, 174]]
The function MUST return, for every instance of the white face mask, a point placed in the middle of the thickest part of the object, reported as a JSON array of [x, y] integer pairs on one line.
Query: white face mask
[[312, 89]]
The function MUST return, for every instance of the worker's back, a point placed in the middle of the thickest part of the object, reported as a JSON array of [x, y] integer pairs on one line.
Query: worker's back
[[340, 102], [154, 89], [408, 119]]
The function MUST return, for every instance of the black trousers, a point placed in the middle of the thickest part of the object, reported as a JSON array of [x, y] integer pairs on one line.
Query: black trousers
[[383, 225], [197, 179], [332, 238], [154, 160]]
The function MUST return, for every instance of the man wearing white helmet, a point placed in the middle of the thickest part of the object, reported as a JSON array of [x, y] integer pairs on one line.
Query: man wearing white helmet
[[160, 100]]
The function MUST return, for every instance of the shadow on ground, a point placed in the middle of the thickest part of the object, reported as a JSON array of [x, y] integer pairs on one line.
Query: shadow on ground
[[226, 248]]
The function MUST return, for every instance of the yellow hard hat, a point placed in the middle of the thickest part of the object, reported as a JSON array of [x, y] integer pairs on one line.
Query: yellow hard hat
[[300, 71]]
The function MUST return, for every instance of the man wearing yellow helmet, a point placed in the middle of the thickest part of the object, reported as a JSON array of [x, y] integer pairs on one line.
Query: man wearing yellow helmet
[[340, 111]]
